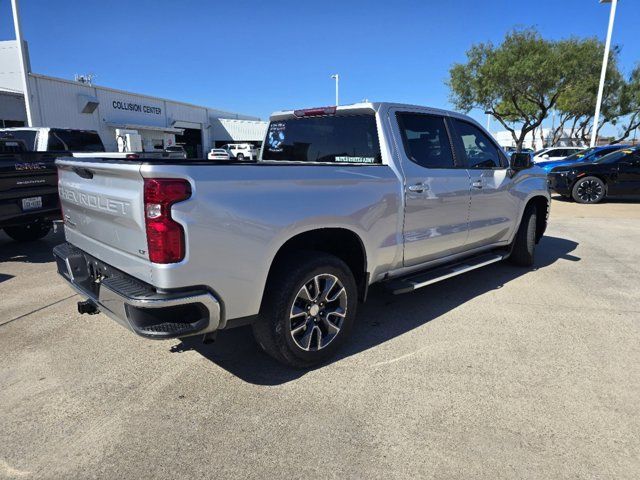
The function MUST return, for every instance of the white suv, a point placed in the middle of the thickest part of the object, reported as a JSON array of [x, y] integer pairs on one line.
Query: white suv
[[241, 151]]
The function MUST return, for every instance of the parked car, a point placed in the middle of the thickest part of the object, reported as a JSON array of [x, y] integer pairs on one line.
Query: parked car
[[341, 198], [511, 150], [555, 153], [583, 156], [28, 191], [218, 154], [617, 173], [241, 151]]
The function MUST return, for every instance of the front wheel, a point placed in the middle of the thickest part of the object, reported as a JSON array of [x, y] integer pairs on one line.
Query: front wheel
[[240, 157], [29, 232], [309, 309], [589, 190], [524, 245]]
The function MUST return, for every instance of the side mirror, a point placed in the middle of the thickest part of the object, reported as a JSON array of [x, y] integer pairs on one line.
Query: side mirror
[[546, 155], [520, 161]]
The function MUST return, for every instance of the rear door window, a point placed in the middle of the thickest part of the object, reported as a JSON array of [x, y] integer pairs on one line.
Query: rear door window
[[333, 139], [426, 140]]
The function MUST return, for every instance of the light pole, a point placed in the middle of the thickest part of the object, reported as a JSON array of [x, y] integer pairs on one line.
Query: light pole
[[336, 77], [603, 73], [23, 62], [488, 114]]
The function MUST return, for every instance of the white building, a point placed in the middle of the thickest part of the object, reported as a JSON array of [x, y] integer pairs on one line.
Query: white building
[[541, 140], [56, 102]]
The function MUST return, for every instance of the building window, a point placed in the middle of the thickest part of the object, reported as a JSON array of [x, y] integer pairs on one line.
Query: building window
[[11, 123]]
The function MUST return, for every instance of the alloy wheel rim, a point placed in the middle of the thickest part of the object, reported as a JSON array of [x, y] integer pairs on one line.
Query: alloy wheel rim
[[590, 191], [318, 312]]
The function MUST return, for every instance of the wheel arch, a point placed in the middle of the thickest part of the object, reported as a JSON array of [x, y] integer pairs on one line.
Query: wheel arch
[[341, 242], [541, 204]]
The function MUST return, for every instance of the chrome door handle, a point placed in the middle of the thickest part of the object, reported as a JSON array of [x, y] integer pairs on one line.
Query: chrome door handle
[[477, 184], [418, 187]]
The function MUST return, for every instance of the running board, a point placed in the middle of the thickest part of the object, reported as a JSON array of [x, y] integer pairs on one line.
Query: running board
[[419, 280]]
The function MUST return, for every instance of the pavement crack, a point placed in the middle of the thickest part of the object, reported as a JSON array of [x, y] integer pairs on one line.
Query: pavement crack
[[37, 310]]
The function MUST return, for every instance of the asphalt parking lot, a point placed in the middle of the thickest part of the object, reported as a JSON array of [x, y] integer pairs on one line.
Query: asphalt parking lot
[[501, 373]]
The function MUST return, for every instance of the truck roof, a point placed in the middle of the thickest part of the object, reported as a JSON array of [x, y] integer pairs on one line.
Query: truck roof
[[363, 107]]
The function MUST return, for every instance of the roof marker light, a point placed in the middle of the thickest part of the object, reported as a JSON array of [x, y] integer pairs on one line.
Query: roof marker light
[[315, 112]]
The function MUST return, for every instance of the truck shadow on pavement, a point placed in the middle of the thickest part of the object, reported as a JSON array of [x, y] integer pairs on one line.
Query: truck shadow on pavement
[[235, 350], [39, 251]]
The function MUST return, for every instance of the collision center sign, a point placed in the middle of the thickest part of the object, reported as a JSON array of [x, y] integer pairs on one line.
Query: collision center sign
[[136, 107]]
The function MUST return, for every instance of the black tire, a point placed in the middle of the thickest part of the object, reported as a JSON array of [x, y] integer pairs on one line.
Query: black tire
[[28, 233], [240, 157], [274, 329], [524, 245], [589, 190]]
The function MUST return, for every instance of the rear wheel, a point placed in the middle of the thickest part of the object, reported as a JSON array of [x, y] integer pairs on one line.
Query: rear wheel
[[28, 233], [240, 156], [524, 245], [589, 190], [309, 309]]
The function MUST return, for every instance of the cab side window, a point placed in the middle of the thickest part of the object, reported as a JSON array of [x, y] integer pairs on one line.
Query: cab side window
[[426, 140], [480, 151]]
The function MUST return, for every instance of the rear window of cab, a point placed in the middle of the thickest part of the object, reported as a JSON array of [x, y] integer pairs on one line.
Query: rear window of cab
[[351, 139]]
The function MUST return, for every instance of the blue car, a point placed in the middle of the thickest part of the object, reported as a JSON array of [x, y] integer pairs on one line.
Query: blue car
[[583, 156]]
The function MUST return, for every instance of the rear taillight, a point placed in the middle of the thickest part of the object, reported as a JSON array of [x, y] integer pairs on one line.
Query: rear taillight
[[165, 236]]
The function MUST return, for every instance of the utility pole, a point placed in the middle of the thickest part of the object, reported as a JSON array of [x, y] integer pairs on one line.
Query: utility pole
[[603, 73], [336, 77], [23, 62]]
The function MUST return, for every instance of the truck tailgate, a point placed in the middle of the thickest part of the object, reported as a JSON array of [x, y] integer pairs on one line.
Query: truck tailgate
[[103, 210], [27, 176]]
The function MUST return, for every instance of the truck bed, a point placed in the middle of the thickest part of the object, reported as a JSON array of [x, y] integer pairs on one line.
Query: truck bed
[[238, 216]]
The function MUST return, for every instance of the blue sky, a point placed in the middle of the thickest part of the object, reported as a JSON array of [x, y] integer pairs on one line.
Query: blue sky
[[255, 57]]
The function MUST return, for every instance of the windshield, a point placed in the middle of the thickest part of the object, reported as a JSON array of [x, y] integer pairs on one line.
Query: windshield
[[75, 141], [339, 139], [615, 156], [579, 155], [540, 152]]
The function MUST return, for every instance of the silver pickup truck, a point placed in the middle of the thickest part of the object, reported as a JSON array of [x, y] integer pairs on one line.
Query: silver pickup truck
[[340, 198]]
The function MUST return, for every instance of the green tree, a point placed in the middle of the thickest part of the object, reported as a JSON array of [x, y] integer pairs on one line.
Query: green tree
[[628, 109], [576, 104], [520, 81]]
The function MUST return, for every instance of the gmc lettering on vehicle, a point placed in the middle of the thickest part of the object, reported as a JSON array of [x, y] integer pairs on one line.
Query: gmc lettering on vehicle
[[30, 166]]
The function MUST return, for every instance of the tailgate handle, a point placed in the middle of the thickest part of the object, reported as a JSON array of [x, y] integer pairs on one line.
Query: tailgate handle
[[83, 172]]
